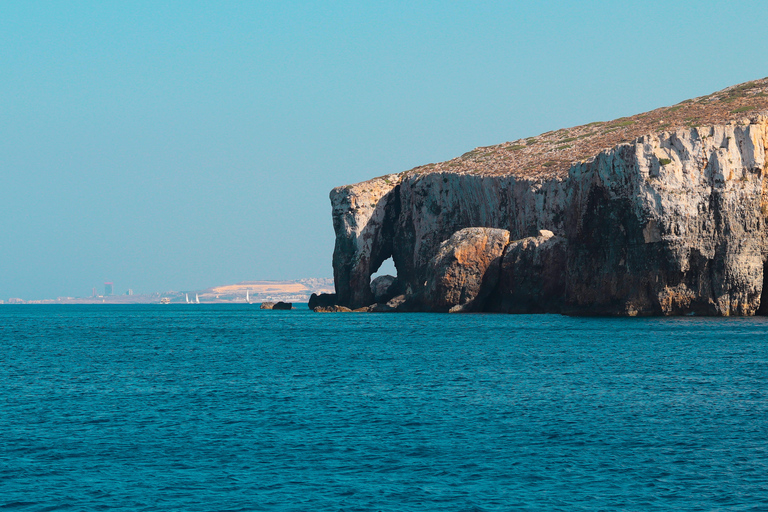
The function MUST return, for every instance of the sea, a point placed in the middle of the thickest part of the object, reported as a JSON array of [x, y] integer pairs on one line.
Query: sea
[[234, 408]]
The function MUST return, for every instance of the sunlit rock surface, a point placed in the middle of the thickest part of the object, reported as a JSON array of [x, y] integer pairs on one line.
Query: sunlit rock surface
[[465, 270], [669, 223]]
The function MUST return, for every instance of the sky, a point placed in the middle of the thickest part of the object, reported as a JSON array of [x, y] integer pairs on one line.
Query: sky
[[182, 145]]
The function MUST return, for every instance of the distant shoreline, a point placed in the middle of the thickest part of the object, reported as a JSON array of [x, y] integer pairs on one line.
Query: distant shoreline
[[244, 292], [55, 303]]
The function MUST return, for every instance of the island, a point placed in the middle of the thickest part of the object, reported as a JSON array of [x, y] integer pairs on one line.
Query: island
[[661, 213]]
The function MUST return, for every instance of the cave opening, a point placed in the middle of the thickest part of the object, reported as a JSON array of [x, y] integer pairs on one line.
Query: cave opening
[[762, 310], [387, 267], [384, 283]]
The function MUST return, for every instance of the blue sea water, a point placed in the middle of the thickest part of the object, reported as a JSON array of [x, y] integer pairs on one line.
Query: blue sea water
[[230, 408]]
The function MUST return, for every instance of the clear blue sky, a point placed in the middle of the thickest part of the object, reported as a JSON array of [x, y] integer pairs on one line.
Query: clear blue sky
[[180, 145]]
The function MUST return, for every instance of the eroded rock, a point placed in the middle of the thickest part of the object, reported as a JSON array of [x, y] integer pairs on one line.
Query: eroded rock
[[465, 270], [399, 303], [672, 222], [332, 309], [324, 300], [384, 288], [363, 219], [533, 275]]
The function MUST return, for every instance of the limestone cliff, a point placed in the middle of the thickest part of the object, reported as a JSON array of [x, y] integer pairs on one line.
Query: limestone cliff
[[660, 213]]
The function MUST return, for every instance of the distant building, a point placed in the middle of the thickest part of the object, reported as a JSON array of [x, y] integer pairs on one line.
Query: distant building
[[108, 289], [129, 292], [15, 301], [94, 292]]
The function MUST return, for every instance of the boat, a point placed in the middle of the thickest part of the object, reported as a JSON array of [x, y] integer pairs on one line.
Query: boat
[[186, 296], [165, 300], [247, 297], [197, 299]]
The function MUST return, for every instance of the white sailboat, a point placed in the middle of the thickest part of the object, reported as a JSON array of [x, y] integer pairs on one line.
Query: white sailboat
[[186, 295], [247, 297], [197, 299]]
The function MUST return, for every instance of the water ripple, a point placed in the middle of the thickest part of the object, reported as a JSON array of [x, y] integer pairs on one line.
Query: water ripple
[[233, 408]]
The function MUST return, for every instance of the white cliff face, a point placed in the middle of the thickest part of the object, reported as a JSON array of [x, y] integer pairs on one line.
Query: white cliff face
[[672, 176], [671, 223]]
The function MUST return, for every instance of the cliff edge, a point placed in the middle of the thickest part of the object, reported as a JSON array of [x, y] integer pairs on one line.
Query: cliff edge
[[662, 213]]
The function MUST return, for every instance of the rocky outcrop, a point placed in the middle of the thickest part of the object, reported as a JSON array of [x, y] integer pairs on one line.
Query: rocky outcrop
[[465, 270], [671, 222], [363, 219], [283, 305], [533, 275], [384, 288], [331, 309], [322, 300], [399, 303]]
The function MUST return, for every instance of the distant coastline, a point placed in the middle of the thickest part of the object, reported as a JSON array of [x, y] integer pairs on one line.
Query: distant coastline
[[257, 291]]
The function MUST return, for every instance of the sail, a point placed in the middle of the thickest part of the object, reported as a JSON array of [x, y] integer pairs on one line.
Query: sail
[[187, 297], [197, 299]]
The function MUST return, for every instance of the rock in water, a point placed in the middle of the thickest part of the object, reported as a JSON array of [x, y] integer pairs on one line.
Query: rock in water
[[322, 300], [384, 288], [465, 270], [662, 213], [393, 305], [331, 309], [276, 305]]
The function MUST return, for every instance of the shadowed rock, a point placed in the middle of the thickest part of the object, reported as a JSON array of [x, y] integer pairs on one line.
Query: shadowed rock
[[322, 300], [384, 288], [532, 276], [395, 304]]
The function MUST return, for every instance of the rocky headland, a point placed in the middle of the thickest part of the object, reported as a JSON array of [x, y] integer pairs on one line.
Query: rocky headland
[[662, 213]]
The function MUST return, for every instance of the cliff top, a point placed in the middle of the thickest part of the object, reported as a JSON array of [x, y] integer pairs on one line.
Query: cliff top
[[551, 154]]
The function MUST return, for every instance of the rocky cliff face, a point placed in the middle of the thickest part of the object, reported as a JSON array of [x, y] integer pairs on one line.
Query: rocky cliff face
[[671, 222], [465, 270], [363, 219]]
